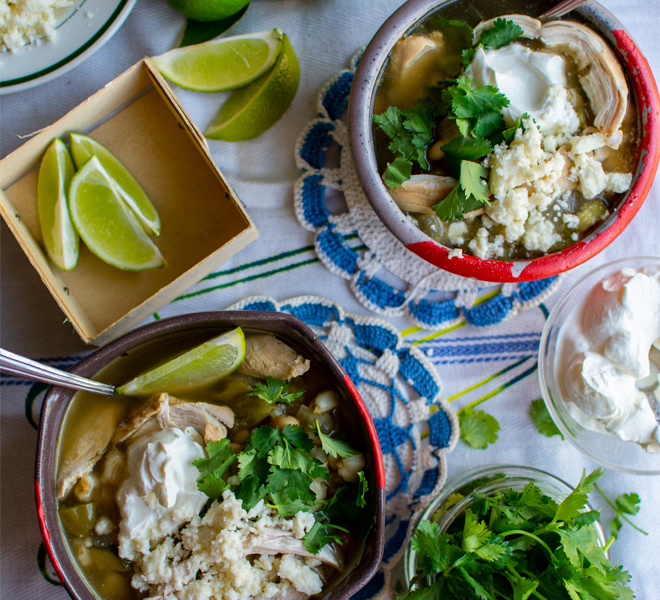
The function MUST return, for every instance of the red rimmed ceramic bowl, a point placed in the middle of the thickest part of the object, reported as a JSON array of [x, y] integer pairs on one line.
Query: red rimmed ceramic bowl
[[643, 91], [167, 333]]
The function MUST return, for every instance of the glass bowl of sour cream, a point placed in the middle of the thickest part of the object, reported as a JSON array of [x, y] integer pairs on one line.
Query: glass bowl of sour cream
[[599, 365]]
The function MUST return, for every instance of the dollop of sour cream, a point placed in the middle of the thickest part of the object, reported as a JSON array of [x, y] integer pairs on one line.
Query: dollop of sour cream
[[160, 493], [605, 345], [534, 83]]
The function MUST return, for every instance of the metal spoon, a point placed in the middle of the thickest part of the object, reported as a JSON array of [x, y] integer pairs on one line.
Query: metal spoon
[[30, 369], [560, 10]]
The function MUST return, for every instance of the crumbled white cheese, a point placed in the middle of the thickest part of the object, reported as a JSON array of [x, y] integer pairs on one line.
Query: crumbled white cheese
[[586, 143], [539, 233], [209, 561], [456, 253], [25, 21], [618, 182], [104, 526], [456, 232], [572, 221], [511, 211], [590, 174], [482, 247]]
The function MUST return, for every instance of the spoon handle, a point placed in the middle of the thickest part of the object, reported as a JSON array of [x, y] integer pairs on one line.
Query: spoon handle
[[561, 9], [30, 369]]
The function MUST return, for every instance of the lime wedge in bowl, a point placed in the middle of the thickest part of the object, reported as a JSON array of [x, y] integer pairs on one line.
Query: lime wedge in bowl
[[83, 147], [57, 230], [107, 226], [223, 63], [255, 108], [204, 364]]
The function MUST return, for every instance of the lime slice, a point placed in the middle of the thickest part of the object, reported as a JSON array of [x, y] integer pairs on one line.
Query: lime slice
[[207, 10], [82, 147], [250, 111], [106, 225], [57, 231], [221, 64], [202, 365]]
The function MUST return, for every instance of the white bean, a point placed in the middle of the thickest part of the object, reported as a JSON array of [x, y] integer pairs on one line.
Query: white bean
[[349, 467], [320, 488], [325, 401], [86, 487], [113, 466], [283, 420]]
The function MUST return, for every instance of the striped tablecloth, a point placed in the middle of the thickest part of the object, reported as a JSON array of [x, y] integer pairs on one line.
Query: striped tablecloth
[[496, 365]]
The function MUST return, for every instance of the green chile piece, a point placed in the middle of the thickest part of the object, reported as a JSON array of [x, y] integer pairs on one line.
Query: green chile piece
[[78, 520]]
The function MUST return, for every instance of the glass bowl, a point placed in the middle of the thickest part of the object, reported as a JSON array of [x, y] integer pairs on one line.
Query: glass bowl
[[607, 450], [488, 481]]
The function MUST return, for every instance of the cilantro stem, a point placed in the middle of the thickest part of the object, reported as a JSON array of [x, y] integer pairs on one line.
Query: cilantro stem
[[619, 513], [606, 547], [530, 535]]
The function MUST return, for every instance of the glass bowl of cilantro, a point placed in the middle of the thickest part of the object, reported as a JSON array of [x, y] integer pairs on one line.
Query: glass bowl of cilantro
[[503, 532], [441, 152]]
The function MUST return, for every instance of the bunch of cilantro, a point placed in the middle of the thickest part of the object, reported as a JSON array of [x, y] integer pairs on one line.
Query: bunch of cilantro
[[477, 115], [276, 466], [518, 545]]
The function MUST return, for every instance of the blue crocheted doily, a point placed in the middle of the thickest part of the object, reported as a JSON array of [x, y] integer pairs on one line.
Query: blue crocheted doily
[[384, 276], [401, 388]]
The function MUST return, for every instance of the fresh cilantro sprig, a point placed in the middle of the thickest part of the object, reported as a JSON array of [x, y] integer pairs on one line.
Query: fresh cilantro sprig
[[274, 390], [542, 419], [411, 132], [276, 466], [212, 469], [501, 33], [517, 545], [624, 504], [333, 446]]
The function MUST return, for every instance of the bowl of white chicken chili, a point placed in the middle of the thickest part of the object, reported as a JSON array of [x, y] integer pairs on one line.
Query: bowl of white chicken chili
[[500, 147], [238, 461]]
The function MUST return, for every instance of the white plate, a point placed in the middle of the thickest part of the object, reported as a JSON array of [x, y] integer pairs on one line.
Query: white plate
[[81, 30]]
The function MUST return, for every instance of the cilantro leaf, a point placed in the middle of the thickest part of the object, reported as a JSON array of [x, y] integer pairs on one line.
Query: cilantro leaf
[[472, 183], [584, 542], [502, 32], [571, 506], [541, 417], [624, 504], [398, 172], [478, 429], [250, 491], [462, 148], [434, 551], [475, 534], [411, 131], [297, 437], [628, 503], [274, 390], [263, 439], [286, 457], [318, 536], [250, 465], [468, 56], [333, 446], [450, 208], [213, 468], [524, 588], [285, 506], [363, 488], [293, 484]]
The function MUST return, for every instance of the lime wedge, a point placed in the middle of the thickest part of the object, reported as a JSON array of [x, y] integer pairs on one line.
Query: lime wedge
[[253, 109], [202, 365], [106, 225], [82, 147], [221, 64], [57, 231]]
